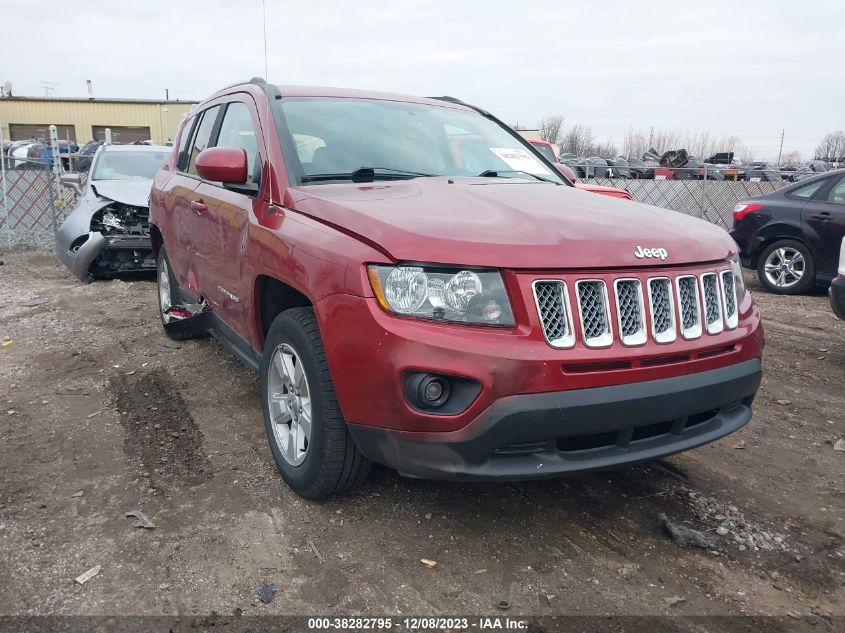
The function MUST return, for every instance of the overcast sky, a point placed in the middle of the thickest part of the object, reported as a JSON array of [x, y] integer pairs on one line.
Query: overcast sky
[[735, 67]]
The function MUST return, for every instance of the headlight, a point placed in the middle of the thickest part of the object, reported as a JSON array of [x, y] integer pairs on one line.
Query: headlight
[[739, 278], [442, 294]]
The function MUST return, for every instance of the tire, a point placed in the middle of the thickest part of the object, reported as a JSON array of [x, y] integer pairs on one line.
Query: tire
[[324, 461], [178, 330], [798, 274]]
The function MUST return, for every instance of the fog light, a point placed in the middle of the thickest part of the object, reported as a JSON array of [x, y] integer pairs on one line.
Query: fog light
[[433, 390], [439, 394]]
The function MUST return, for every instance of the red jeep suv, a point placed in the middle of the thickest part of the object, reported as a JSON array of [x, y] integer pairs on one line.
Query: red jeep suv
[[418, 286]]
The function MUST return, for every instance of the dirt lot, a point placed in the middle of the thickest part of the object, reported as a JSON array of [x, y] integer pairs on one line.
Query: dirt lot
[[102, 415]]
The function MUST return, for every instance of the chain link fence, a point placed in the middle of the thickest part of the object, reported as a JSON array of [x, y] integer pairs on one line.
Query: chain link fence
[[711, 200], [32, 204]]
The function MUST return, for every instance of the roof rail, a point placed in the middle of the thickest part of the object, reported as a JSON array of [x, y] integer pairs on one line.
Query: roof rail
[[449, 99], [257, 81], [457, 101]]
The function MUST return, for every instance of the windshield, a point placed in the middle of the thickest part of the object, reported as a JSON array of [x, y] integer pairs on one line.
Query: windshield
[[546, 151], [140, 165], [340, 136]]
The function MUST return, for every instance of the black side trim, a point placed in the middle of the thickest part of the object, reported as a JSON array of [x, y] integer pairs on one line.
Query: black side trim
[[234, 342]]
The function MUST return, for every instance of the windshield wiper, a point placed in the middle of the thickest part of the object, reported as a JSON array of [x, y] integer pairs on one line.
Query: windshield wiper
[[494, 173], [367, 174]]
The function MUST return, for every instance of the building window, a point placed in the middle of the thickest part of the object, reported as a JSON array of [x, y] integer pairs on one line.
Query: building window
[[40, 132], [121, 134]]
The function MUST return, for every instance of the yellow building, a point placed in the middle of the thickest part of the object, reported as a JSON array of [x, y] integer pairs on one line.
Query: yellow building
[[81, 120]]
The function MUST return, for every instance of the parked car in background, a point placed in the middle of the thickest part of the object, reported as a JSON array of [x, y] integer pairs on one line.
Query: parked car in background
[[758, 171], [85, 155], [792, 236], [29, 154], [108, 231], [567, 171], [546, 149], [837, 286], [451, 314], [809, 169], [639, 168], [621, 167], [597, 167]]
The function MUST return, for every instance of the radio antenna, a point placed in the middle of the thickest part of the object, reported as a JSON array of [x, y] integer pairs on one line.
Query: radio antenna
[[264, 12]]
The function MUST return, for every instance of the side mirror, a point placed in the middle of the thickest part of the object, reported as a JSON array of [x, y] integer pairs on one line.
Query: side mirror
[[223, 164], [567, 172], [72, 180]]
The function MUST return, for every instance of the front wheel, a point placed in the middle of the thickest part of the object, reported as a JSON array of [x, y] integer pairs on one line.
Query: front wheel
[[786, 267], [308, 435]]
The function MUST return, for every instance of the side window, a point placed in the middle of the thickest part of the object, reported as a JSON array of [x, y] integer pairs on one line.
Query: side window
[[808, 191], [202, 138], [237, 130], [182, 157], [837, 194]]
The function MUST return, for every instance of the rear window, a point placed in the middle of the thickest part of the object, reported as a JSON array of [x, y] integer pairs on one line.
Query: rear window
[[837, 194], [182, 158], [807, 191], [546, 151]]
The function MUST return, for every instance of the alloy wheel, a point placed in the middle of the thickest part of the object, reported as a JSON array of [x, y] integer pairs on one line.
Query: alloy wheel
[[784, 267], [289, 403]]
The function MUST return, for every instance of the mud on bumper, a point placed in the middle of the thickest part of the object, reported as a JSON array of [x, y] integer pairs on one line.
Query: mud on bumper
[[549, 434]]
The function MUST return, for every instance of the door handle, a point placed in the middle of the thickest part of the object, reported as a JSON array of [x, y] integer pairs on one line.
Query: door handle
[[824, 216], [199, 207]]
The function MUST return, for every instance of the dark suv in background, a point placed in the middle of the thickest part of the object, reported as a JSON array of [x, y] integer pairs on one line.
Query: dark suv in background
[[791, 237]]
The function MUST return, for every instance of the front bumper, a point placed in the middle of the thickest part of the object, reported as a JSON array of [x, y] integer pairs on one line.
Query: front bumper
[[548, 434], [836, 292], [80, 261]]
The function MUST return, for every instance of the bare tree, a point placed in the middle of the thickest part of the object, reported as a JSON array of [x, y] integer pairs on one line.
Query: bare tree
[[832, 147], [635, 143], [603, 150], [550, 128], [576, 140], [791, 158]]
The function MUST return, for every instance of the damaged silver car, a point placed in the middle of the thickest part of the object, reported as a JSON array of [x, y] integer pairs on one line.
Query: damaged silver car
[[108, 232]]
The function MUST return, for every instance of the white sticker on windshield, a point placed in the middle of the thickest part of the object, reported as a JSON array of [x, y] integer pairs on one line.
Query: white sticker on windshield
[[519, 159]]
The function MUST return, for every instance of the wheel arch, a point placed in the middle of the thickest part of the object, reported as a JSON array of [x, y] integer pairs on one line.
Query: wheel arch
[[272, 297], [155, 239], [780, 232]]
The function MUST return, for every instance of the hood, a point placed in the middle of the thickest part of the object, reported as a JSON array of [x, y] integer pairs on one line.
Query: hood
[[132, 192], [510, 223]]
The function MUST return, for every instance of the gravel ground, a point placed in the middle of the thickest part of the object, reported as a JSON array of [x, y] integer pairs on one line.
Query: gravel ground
[[102, 415]]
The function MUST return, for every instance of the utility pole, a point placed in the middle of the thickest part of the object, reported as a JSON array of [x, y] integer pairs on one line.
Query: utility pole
[[780, 151], [167, 94]]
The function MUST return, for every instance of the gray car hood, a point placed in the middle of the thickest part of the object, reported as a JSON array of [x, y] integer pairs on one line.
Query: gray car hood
[[132, 192]]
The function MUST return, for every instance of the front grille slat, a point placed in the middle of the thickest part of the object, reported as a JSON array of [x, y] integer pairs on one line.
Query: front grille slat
[[594, 313], [662, 309], [555, 315], [630, 311], [728, 284], [712, 303], [689, 306]]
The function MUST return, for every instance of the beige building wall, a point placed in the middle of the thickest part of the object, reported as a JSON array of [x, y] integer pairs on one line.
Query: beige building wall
[[161, 117], [529, 135]]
